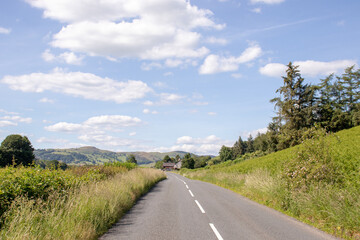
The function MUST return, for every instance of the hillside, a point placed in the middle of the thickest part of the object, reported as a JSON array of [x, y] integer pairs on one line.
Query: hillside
[[317, 182], [92, 155]]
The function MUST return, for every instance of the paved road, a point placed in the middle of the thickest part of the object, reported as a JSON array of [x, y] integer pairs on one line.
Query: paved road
[[182, 209]]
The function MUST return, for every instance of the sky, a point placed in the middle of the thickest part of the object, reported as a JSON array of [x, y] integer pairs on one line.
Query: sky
[[161, 75]]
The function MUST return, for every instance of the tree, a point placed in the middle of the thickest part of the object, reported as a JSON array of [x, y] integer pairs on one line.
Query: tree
[[16, 149], [131, 159], [250, 144], [296, 100], [166, 159], [350, 81], [225, 153], [238, 149], [159, 164], [188, 163]]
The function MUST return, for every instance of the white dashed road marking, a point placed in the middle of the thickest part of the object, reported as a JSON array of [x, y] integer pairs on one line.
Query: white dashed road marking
[[191, 193], [201, 209], [216, 231]]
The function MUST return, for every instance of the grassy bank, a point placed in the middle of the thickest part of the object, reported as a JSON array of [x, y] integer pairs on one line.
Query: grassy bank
[[317, 182], [84, 213]]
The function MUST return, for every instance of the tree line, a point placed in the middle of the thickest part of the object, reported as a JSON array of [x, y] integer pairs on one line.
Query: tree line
[[333, 104]]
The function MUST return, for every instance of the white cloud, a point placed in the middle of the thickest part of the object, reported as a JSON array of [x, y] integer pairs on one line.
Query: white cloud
[[46, 100], [253, 133], [208, 145], [236, 75], [98, 129], [67, 57], [212, 113], [307, 68], [273, 70], [5, 123], [17, 119], [132, 134], [86, 85], [256, 10], [148, 103], [4, 30], [146, 29], [170, 98], [214, 40], [7, 112], [215, 64], [148, 111], [267, 1]]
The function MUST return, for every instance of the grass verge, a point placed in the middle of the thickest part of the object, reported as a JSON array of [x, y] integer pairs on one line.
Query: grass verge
[[85, 213], [317, 182]]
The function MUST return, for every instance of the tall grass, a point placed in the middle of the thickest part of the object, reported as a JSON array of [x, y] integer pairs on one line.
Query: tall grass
[[317, 182], [85, 213]]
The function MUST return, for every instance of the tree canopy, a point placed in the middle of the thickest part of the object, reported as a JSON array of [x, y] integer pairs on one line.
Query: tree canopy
[[16, 149]]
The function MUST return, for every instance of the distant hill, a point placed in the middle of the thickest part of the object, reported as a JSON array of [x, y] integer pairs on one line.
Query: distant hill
[[93, 155]]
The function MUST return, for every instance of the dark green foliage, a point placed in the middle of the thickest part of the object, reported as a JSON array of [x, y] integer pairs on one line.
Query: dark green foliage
[[159, 164], [201, 161], [131, 159], [167, 159], [225, 153], [16, 150], [188, 162], [238, 149], [53, 164]]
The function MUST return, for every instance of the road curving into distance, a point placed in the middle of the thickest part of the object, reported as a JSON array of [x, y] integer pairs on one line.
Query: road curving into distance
[[182, 209]]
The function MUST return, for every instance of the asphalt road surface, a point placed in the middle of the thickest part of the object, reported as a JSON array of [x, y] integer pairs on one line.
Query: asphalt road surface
[[184, 209]]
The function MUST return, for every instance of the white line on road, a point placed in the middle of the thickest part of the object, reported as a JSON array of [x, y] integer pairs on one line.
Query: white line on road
[[201, 209], [191, 193], [187, 186], [216, 231], [184, 182]]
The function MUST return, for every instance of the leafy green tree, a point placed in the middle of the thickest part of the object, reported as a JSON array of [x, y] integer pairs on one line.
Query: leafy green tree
[[16, 149], [225, 153], [167, 159], [131, 159], [188, 163], [159, 164]]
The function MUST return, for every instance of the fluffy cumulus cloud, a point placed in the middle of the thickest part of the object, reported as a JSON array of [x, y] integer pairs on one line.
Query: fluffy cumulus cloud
[[215, 64], [145, 29], [4, 30], [79, 84], [308, 68], [208, 145], [97, 124], [7, 121], [99, 130], [66, 57]]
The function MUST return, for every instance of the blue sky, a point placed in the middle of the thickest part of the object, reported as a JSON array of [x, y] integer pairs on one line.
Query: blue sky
[[160, 75]]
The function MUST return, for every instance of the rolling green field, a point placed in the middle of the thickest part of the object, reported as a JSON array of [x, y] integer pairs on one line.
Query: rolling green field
[[93, 156], [317, 182]]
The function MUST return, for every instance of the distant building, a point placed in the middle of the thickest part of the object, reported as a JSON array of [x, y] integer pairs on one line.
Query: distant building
[[178, 165], [168, 166]]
